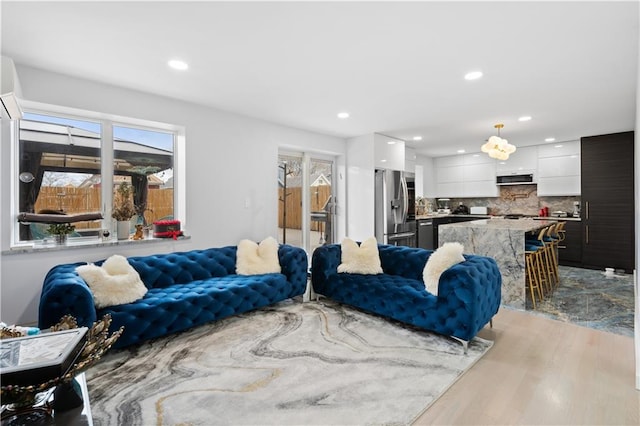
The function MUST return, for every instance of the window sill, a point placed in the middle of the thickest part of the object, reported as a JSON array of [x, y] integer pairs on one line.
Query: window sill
[[83, 243]]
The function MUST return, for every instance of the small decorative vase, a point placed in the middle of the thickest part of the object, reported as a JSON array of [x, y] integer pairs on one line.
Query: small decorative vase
[[60, 239], [123, 229]]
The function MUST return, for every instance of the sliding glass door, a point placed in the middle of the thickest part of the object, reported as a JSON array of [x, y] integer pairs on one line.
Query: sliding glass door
[[306, 206]]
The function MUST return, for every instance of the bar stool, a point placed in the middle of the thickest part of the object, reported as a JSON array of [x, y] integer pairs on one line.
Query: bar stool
[[552, 239], [533, 280], [562, 234], [544, 263]]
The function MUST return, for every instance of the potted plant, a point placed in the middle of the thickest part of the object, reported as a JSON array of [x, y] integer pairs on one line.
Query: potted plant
[[60, 231], [123, 209]]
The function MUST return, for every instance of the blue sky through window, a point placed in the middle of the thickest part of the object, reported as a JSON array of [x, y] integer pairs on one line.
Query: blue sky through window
[[151, 138]]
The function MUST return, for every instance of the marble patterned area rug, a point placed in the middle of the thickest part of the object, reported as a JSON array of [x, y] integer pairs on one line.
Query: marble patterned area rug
[[291, 363]]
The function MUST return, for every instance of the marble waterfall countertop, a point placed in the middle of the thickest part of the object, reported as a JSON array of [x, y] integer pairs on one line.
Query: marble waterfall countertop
[[523, 224], [486, 216], [503, 240]]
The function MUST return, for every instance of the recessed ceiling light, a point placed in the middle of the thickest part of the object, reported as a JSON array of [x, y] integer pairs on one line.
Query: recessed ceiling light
[[524, 118], [473, 75], [391, 142], [417, 138], [557, 146], [177, 64], [383, 161], [343, 115], [461, 151], [550, 139]]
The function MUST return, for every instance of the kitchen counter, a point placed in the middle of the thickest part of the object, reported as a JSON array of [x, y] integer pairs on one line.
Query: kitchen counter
[[503, 240], [479, 216], [427, 226], [435, 215], [558, 219], [520, 225]]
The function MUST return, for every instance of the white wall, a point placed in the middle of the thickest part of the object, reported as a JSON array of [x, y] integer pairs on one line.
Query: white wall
[[360, 187], [229, 158]]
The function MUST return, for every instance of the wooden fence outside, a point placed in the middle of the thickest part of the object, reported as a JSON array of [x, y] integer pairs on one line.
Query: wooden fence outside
[[81, 200], [319, 196], [160, 203]]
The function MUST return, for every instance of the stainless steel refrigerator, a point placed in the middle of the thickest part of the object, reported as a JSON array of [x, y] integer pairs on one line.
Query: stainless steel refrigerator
[[395, 208]]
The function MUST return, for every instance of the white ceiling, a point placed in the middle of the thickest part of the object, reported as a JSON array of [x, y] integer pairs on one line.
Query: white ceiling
[[397, 68]]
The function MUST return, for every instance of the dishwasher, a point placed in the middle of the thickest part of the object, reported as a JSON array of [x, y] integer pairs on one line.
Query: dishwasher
[[425, 234]]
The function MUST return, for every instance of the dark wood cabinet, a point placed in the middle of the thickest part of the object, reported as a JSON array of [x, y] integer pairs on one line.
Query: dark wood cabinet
[[608, 234], [570, 250]]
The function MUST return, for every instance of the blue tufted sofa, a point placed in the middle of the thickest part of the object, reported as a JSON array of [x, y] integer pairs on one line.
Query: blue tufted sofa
[[468, 293], [185, 289]]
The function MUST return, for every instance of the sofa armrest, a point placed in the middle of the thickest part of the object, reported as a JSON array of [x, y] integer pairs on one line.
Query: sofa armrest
[[65, 292], [294, 265], [473, 288], [324, 263]]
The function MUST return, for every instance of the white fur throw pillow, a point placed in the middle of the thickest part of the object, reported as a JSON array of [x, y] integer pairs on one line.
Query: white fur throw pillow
[[253, 258], [439, 261], [363, 259], [115, 283]]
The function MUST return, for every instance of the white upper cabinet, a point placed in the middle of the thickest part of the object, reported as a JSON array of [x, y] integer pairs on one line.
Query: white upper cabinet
[[452, 160], [450, 190], [567, 165], [556, 186], [559, 149], [524, 160], [449, 174], [556, 170], [388, 153], [473, 172], [472, 175], [409, 159], [479, 158], [559, 169]]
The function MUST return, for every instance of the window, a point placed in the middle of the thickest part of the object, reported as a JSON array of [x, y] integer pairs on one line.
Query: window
[[73, 164], [58, 162], [144, 159]]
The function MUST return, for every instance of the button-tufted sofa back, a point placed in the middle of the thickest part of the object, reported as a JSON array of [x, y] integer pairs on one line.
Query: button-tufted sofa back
[[196, 286], [395, 260], [163, 270]]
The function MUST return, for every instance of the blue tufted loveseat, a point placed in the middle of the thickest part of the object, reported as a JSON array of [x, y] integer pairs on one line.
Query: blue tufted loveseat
[[185, 289], [468, 293]]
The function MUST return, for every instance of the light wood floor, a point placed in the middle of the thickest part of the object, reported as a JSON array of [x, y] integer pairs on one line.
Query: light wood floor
[[543, 372]]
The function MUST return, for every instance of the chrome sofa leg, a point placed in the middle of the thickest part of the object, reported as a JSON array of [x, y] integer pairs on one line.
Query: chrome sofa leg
[[465, 344], [307, 296]]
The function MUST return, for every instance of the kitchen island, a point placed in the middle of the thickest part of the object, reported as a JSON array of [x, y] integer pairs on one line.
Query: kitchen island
[[503, 240]]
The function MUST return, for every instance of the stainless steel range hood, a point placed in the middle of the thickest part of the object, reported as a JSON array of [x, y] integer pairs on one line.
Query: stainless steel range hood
[[515, 179]]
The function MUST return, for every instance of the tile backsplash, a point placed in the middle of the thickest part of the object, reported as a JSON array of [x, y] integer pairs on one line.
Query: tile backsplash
[[516, 199]]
